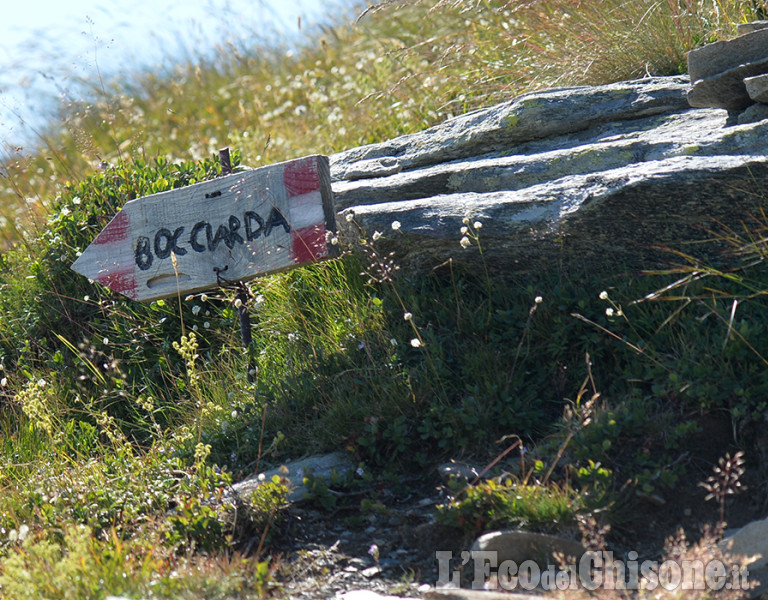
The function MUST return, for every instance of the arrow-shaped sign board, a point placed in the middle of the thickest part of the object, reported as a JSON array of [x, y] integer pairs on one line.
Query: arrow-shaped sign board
[[233, 228]]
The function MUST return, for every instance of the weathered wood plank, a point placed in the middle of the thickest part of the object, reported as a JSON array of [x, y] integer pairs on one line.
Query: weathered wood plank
[[232, 228]]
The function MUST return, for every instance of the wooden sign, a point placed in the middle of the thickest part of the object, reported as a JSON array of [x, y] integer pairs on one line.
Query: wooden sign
[[233, 228]]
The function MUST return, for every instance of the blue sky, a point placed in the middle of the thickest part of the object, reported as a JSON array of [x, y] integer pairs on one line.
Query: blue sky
[[44, 43]]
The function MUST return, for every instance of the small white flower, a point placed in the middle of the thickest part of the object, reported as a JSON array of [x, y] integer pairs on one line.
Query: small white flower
[[204, 298], [86, 298], [105, 341], [76, 200], [477, 225], [376, 236], [465, 220], [4, 381], [465, 243], [261, 477], [609, 312], [395, 225], [408, 316], [538, 299], [206, 325], [258, 300], [334, 241], [603, 295], [416, 343], [196, 309], [233, 414], [350, 217], [238, 303], [464, 230], [393, 341]]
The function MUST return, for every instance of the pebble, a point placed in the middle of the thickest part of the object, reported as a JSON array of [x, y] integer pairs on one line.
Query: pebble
[[372, 571]]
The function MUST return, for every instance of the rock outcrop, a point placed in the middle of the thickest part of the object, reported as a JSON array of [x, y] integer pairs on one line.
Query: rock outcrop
[[577, 178]]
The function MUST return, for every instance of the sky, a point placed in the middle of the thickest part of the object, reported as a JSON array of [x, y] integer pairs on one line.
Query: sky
[[45, 43]]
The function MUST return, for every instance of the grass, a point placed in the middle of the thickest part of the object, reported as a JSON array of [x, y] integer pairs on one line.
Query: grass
[[122, 424]]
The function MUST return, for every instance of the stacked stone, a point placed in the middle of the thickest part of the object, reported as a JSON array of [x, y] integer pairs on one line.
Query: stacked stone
[[731, 74]]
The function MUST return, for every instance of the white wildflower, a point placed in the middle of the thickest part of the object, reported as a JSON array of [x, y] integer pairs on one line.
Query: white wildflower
[[238, 303], [477, 225], [603, 295], [395, 225], [196, 309], [376, 236], [464, 230], [465, 243], [204, 298], [416, 343], [408, 316], [609, 312], [350, 217], [538, 299]]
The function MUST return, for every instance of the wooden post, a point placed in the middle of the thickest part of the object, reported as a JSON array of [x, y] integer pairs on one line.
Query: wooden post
[[226, 165], [244, 317], [242, 295]]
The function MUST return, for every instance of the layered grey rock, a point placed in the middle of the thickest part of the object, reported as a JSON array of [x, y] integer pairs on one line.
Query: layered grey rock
[[582, 178], [720, 71], [728, 89], [519, 546], [743, 28], [721, 56], [321, 466], [750, 543], [529, 117], [757, 88]]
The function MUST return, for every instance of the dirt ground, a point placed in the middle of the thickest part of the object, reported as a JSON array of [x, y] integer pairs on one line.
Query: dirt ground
[[327, 553]]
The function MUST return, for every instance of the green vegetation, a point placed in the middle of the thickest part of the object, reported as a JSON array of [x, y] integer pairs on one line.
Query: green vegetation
[[122, 425]]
